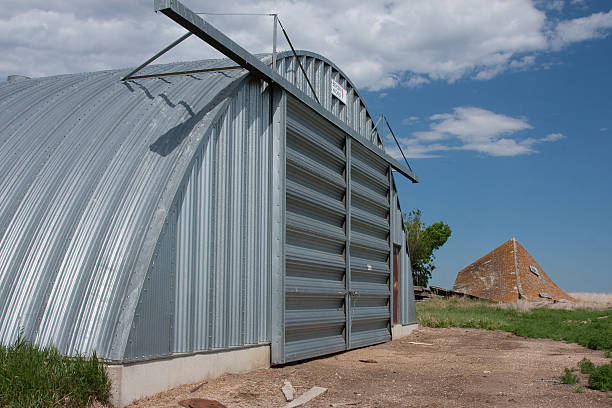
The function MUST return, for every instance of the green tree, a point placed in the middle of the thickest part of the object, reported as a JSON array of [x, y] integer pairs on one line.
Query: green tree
[[422, 242]]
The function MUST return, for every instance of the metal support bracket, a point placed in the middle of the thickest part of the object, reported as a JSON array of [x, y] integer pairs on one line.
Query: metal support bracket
[[182, 15], [156, 56]]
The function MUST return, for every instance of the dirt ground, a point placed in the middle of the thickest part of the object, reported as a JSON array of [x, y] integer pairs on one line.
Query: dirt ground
[[461, 368]]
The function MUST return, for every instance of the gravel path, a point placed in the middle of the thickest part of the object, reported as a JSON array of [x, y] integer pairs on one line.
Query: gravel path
[[461, 368]]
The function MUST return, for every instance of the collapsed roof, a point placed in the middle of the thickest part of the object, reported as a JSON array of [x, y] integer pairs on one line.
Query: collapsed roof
[[506, 274]]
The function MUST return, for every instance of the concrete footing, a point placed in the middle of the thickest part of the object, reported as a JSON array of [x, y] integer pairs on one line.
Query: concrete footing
[[398, 331], [137, 380]]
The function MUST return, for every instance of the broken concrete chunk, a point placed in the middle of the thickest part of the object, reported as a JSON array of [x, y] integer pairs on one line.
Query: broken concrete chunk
[[288, 390], [305, 397]]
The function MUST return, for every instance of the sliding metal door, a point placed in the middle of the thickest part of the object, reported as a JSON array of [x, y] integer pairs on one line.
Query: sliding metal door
[[336, 280]]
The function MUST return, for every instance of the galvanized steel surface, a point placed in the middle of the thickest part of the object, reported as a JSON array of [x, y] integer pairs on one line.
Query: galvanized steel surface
[[327, 307], [84, 159], [82, 265], [407, 304], [215, 273], [321, 72]]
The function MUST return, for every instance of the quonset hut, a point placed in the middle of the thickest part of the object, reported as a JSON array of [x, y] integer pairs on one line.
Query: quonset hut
[[186, 225]]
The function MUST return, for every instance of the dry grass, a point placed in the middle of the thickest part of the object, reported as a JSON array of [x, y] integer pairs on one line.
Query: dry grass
[[596, 301], [593, 300]]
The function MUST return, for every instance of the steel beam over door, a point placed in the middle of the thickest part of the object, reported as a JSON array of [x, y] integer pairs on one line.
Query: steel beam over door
[[337, 293]]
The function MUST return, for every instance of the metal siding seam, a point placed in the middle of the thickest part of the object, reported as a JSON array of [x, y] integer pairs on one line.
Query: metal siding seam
[[348, 296], [391, 250], [222, 252], [277, 224], [212, 267]]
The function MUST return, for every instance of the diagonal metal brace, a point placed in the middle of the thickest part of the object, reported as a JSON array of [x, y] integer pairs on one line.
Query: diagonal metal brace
[[182, 15], [156, 56]]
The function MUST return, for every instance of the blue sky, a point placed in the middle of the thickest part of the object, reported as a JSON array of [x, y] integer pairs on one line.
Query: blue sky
[[556, 200], [503, 106]]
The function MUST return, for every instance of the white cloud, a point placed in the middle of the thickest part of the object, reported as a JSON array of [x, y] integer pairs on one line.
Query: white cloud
[[410, 120], [380, 44], [555, 5], [415, 81], [553, 137], [475, 129], [581, 29]]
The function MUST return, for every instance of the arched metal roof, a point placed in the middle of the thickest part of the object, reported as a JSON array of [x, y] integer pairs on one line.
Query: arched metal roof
[[321, 71], [84, 160], [89, 166]]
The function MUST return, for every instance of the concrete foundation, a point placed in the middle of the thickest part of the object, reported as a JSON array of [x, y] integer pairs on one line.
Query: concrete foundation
[[398, 331], [136, 380]]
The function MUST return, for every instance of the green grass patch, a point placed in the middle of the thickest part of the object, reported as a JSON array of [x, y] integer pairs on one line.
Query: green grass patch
[[586, 366], [601, 378], [31, 376], [569, 377], [586, 327]]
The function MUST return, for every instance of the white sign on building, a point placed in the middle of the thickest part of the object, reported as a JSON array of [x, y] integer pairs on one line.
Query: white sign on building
[[338, 91]]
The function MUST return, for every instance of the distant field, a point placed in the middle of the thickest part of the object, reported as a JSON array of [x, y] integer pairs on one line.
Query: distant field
[[588, 324], [593, 300]]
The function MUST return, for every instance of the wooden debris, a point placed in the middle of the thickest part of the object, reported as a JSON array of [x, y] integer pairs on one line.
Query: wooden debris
[[288, 390], [418, 343], [197, 387], [435, 292], [447, 293], [201, 403], [305, 397], [368, 360]]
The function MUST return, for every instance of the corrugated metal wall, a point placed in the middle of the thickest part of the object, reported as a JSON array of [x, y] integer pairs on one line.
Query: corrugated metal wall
[[315, 316], [82, 172], [370, 248], [104, 157], [336, 288], [407, 305], [406, 302], [209, 286], [320, 72]]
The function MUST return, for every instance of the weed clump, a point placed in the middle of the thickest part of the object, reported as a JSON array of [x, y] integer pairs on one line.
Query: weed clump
[[601, 378], [569, 377], [586, 366], [34, 376]]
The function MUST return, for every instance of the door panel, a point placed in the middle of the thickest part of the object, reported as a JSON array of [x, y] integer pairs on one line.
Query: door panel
[[370, 249], [329, 305]]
